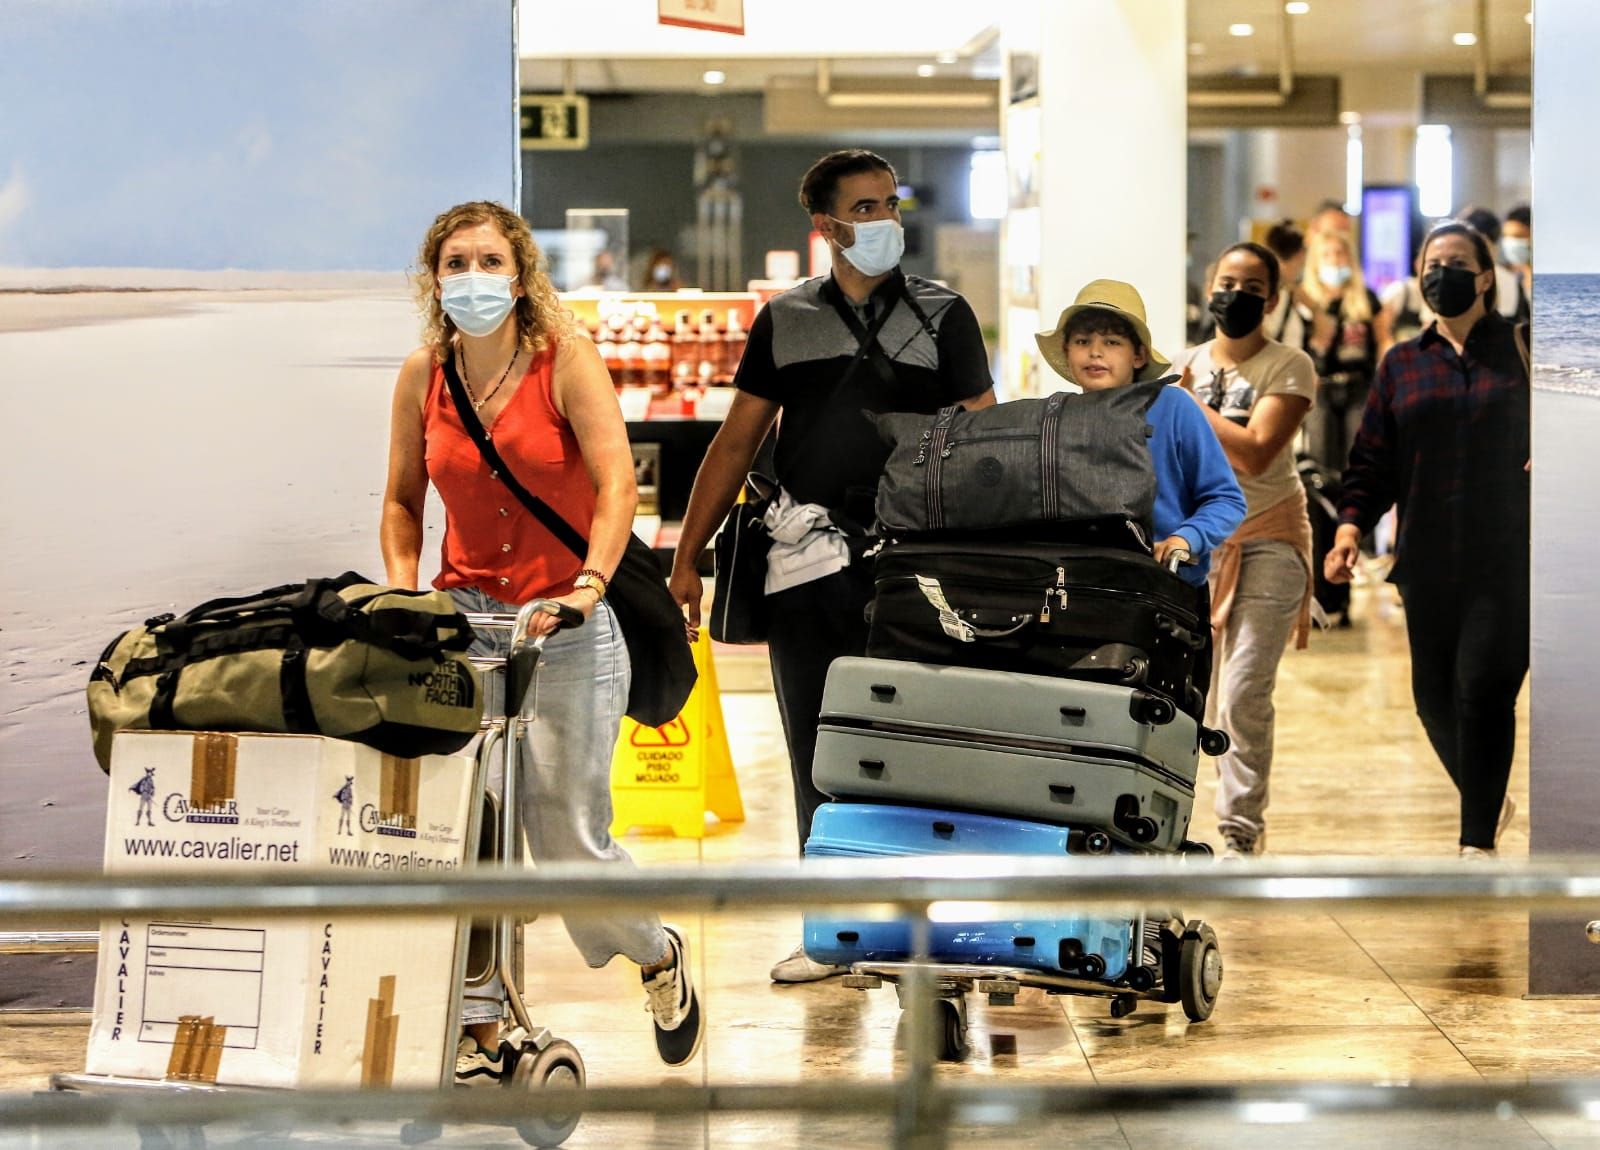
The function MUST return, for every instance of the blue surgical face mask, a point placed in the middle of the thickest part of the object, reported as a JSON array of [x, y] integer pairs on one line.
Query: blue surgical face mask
[[1334, 276], [878, 247], [1516, 250], [477, 302]]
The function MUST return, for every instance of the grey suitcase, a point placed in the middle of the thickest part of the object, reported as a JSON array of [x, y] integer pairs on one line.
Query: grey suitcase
[[973, 702], [1135, 801]]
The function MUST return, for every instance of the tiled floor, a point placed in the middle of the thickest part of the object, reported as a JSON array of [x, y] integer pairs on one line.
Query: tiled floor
[[1355, 996]]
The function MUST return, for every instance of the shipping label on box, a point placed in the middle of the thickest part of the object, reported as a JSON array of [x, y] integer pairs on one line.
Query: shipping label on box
[[270, 1001]]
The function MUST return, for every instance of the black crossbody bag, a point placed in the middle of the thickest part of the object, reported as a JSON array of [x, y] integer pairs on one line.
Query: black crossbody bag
[[651, 621], [739, 552]]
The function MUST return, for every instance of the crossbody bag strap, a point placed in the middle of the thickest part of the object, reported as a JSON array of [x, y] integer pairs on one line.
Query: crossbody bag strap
[[866, 343], [867, 337], [542, 511]]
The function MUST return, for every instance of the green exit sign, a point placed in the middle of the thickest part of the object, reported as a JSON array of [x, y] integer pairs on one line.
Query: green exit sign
[[555, 122]]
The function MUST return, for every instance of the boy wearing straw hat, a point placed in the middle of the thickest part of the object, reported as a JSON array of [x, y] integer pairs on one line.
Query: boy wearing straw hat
[[1102, 341]]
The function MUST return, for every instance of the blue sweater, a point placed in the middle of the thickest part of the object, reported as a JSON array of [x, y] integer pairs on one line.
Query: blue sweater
[[1197, 495]]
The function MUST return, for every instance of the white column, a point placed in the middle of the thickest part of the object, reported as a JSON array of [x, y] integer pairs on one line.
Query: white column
[[1113, 83]]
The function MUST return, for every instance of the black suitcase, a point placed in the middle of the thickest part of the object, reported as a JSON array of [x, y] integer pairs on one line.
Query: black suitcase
[[1322, 505], [1043, 608]]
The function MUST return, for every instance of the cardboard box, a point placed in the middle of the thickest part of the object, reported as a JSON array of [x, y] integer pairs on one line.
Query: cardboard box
[[334, 1001]]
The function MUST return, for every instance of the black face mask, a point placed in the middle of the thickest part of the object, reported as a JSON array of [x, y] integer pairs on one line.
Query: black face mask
[[1237, 313], [1450, 291]]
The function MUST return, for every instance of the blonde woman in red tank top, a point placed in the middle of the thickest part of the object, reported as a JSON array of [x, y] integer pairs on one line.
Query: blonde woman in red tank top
[[539, 387]]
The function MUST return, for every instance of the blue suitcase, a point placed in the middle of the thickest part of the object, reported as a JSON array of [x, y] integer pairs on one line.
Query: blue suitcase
[[1080, 945]]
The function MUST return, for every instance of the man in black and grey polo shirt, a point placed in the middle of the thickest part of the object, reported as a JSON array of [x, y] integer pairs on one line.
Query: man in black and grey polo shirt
[[929, 354]]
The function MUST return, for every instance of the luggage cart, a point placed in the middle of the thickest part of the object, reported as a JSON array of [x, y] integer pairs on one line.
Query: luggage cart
[[1185, 967], [543, 1061], [482, 950], [1177, 961]]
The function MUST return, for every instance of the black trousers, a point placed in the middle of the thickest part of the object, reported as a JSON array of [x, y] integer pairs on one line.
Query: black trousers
[[1469, 655], [811, 626]]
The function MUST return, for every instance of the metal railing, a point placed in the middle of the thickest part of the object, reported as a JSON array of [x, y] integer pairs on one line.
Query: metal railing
[[920, 1108]]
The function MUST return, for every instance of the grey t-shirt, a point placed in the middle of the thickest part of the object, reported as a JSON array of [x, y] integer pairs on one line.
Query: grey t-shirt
[[1274, 370]]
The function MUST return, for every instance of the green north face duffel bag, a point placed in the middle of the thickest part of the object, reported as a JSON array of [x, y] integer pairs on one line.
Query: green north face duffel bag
[[343, 657]]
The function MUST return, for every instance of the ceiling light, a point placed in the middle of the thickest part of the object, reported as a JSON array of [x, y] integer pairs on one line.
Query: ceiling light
[[1349, 117], [1529, 17], [1464, 39], [1297, 7], [947, 58], [714, 76], [926, 70], [1241, 29], [1197, 49]]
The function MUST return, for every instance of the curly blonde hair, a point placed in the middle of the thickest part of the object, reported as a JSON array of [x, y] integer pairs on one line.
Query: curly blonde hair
[[541, 320]]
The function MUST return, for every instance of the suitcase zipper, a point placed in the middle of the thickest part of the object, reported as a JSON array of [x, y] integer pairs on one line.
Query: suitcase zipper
[[1014, 744], [1059, 592]]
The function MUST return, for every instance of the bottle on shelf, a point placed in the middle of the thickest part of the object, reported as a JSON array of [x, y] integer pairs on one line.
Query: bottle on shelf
[[733, 341], [656, 358], [630, 353], [685, 350], [605, 343], [708, 366]]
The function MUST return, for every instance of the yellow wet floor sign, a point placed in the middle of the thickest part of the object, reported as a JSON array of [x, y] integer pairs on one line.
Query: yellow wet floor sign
[[670, 776]]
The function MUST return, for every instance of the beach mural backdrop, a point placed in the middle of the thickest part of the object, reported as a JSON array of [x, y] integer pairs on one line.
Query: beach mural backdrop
[[206, 216], [1565, 737]]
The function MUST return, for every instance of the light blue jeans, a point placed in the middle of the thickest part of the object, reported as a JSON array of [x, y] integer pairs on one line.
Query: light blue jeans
[[571, 715]]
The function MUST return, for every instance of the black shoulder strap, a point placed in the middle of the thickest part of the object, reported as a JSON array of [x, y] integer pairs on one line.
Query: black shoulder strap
[[867, 338], [542, 511], [867, 343]]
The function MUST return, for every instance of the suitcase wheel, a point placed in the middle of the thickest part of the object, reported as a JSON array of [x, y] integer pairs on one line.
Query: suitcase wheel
[[1214, 742], [1152, 709], [1088, 842]]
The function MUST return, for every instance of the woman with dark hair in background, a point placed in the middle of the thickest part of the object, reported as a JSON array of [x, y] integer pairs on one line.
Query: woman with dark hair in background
[[1255, 392], [1285, 322], [1445, 435]]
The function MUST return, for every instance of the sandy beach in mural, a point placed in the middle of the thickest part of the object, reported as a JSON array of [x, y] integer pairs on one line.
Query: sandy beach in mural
[[165, 447]]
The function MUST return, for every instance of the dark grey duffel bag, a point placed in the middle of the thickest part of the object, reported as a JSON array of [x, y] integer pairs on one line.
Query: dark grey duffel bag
[[1064, 457]]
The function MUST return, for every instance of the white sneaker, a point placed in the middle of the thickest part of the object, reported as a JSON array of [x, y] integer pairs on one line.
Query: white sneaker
[[1477, 853], [476, 1066], [1508, 811], [800, 967]]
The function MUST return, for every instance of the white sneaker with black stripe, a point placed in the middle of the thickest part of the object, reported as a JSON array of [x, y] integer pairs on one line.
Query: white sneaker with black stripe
[[477, 1067], [674, 1004]]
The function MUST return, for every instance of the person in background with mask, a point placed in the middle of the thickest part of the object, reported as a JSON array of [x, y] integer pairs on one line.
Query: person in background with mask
[[660, 272], [1255, 393], [539, 385], [1445, 435], [1516, 246], [1342, 337], [1510, 300], [927, 353]]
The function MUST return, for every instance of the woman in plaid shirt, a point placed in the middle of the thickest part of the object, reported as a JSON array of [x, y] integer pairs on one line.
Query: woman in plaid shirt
[[1445, 435]]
